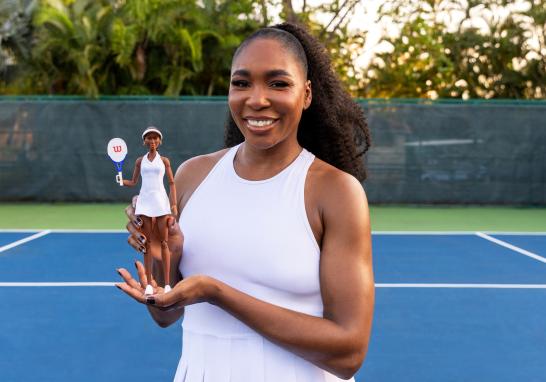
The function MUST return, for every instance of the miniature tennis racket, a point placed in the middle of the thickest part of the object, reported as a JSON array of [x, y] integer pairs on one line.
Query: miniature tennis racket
[[117, 151]]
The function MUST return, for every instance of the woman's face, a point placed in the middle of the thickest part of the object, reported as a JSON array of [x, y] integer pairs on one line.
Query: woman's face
[[268, 93], [152, 140]]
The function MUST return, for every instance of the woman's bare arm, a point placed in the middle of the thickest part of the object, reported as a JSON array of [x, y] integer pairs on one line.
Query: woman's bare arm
[[136, 175]]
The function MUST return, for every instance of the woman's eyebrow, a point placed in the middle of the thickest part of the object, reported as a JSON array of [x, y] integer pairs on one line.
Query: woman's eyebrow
[[277, 73], [268, 74], [241, 72]]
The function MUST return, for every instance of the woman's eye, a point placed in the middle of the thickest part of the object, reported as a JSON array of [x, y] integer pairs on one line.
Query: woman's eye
[[279, 84], [239, 83]]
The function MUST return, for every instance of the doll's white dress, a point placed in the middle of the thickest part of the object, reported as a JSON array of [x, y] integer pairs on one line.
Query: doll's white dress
[[152, 199], [255, 237]]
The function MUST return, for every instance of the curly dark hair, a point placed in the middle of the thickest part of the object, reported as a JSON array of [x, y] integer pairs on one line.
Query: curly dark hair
[[333, 127]]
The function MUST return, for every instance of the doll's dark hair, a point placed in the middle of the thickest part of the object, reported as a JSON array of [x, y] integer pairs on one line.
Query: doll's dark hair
[[333, 127]]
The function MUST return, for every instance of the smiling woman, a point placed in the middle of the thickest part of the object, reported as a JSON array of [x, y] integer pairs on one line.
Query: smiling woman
[[273, 244], [333, 126]]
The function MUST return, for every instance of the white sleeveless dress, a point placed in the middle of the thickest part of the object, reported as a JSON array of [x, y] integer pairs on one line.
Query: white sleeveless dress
[[255, 237], [152, 199]]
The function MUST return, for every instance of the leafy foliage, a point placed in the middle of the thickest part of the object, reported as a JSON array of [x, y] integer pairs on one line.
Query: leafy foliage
[[444, 48], [15, 35], [94, 47], [344, 45], [485, 54]]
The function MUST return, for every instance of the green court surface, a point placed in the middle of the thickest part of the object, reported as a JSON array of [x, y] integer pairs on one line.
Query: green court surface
[[384, 218]]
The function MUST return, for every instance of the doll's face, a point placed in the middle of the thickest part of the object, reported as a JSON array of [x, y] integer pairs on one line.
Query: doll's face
[[152, 141]]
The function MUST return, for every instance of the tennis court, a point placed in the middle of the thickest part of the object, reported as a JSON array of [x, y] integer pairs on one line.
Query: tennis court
[[450, 306]]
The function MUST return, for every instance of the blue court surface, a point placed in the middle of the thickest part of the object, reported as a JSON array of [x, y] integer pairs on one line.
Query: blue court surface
[[449, 307]]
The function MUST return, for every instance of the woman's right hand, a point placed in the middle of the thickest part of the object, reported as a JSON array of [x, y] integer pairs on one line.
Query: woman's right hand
[[137, 239]]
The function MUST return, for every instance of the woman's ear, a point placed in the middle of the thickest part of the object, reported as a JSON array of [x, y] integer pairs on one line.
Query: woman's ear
[[308, 95]]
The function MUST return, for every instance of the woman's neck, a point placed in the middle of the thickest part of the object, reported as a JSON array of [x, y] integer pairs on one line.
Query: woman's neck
[[256, 163]]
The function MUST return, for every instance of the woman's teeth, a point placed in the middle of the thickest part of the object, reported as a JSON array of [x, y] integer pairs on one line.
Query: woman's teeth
[[260, 123]]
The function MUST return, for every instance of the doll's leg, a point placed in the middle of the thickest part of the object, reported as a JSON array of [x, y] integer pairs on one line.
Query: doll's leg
[[147, 228], [165, 253]]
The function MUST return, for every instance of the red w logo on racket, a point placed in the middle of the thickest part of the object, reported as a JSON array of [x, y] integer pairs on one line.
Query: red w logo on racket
[[117, 149]]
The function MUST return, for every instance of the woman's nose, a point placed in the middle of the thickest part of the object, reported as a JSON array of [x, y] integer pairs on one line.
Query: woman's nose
[[258, 98]]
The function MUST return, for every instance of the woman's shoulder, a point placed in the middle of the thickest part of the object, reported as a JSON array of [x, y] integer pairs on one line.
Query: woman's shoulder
[[330, 186], [200, 164], [323, 174], [192, 172]]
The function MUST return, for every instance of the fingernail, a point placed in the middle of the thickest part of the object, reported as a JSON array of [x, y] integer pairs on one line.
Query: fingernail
[[117, 286], [136, 265], [119, 273], [139, 220], [150, 300], [142, 249], [142, 239]]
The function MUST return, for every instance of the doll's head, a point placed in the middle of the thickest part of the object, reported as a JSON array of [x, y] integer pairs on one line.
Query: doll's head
[[152, 137], [151, 129]]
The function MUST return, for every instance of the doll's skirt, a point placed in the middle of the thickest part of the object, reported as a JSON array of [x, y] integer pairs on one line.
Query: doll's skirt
[[153, 203]]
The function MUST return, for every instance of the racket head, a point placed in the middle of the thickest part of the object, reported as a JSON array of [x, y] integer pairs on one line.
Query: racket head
[[117, 149]]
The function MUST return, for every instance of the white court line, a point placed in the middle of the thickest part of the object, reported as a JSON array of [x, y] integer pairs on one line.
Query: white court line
[[464, 286], [512, 247], [58, 284], [378, 285], [23, 241], [17, 230], [515, 233], [457, 233], [416, 233]]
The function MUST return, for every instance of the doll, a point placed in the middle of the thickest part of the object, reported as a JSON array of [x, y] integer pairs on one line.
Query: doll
[[153, 205]]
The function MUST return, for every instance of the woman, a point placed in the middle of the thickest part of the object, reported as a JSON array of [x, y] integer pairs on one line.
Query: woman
[[278, 281]]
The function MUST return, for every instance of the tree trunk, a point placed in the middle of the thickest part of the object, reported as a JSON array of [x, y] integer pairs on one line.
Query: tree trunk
[[265, 17], [140, 62], [288, 11]]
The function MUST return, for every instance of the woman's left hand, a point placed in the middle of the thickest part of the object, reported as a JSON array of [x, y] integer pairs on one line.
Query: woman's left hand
[[191, 290]]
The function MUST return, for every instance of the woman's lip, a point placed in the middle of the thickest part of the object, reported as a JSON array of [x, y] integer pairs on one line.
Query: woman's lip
[[258, 129], [264, 118]]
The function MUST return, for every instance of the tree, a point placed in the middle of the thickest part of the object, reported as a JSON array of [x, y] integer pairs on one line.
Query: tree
[[131, 46], [156, 46], [482, 55], [343, 44], [68, 54], [418, 66], [15, 34]]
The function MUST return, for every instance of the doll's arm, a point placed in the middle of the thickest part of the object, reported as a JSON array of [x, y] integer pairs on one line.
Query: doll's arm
[[136, 175], [172, 188]]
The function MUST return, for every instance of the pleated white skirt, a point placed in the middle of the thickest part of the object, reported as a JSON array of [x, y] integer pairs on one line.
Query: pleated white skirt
[[245, 358]]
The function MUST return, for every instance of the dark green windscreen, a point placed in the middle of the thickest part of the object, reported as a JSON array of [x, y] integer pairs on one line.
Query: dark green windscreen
[[423, 152]]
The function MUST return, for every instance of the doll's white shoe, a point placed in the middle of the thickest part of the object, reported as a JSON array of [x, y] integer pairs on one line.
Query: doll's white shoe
[[167, 288], [149, 290]]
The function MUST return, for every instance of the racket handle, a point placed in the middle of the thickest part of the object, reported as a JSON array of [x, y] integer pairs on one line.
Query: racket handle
[[119, 178]]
